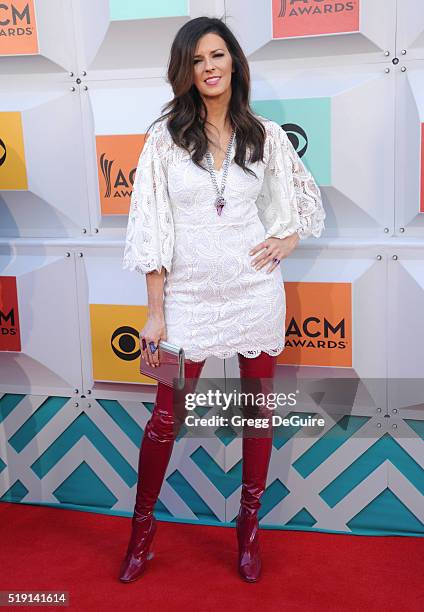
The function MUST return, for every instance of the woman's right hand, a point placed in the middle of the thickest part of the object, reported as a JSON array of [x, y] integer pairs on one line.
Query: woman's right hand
[[153, 331]]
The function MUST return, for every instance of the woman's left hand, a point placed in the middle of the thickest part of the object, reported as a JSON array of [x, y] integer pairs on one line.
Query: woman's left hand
[[271, 248]]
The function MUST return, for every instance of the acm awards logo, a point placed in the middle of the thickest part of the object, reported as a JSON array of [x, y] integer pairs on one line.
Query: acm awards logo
[[12, 20], [292, 8], [116, 184], [7, 323], [305, 334], [318, 324], [10, 337], [117, 156]]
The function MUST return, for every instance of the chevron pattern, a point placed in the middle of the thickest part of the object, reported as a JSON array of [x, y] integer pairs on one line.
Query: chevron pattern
[[355, 477]]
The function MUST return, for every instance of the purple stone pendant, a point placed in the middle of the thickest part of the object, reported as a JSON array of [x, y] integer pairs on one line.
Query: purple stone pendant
[[219, 204]]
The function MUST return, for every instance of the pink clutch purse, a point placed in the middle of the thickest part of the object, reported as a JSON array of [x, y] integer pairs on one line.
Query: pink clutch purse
[[171, 365]]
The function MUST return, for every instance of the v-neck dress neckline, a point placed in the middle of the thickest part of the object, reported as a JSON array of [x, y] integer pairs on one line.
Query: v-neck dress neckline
[[232, 155]]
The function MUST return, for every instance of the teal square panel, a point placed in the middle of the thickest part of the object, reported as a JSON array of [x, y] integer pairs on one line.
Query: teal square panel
[[307, 122], [144, 9]]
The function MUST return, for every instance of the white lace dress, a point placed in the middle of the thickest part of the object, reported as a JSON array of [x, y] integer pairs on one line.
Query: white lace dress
[[215, 302]]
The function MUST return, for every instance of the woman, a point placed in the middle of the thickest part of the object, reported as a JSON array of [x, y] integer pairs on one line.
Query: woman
[[208, 225]]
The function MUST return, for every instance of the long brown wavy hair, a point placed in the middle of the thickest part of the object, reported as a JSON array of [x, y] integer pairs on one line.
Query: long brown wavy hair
[[185, 110]]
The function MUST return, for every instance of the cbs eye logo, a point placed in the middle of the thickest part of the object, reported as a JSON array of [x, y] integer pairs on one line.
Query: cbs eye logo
[[296, 134], [125, 343], [3, 152]]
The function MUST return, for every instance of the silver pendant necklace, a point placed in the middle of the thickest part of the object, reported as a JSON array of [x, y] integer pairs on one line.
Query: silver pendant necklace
[[220, 200]]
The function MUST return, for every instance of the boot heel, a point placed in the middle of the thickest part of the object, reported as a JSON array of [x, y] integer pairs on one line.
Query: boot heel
[[138, 553], [249, 558]]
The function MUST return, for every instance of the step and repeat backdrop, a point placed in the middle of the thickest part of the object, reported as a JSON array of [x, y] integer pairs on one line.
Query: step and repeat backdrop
[[79, 84]]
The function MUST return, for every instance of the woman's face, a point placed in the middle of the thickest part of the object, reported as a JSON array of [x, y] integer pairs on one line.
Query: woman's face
[[212, 58]]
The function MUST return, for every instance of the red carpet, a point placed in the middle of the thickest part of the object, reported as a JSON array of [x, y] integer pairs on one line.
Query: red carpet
[[195, 566]]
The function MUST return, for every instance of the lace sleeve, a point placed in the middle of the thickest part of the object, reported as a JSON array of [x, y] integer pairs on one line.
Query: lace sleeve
[[290, 200], [149, 239]]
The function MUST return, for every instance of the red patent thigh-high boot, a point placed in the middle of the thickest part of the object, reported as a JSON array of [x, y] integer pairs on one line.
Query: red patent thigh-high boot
[[155, 453], [257, 446]]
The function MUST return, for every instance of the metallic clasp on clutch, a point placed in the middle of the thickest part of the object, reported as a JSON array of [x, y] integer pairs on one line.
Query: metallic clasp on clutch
[[171, 365]]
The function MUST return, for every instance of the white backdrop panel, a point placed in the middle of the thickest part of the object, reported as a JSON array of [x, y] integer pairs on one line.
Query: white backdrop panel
[[50, 358], [142, 100], [252, 24], [55, 203], [57, 52], [409, 221], [367, 274], [410, 29], [359, 200], [133, 45]]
